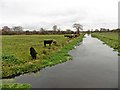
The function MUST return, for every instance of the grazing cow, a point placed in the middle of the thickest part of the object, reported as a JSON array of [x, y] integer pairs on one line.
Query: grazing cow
[[47, 42], [76, 35], [69, 36], [33, 53]]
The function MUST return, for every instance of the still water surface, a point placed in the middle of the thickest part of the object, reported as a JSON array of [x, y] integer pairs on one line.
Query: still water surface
[[94, 65]]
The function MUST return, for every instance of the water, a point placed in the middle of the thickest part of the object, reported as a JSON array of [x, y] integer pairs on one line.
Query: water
[[94, 65]]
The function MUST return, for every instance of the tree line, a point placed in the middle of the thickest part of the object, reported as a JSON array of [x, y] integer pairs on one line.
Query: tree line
[[18, 30]]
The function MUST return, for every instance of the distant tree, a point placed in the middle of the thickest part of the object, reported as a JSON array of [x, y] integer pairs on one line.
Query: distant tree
[[27, 32], [35, 32], [59, 30], [6, 28], [42, 30], [78, 27], [107, 30], [88, 32], [96, 30], [55, 28], [0, 32], [18, 28], [68, 31], [103, 30]]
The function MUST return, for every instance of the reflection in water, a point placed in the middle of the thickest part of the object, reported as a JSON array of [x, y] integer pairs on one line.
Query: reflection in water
[[94, 65]]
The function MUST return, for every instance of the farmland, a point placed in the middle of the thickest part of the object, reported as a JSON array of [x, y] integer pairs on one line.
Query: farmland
[[109, 38], [16, 57]]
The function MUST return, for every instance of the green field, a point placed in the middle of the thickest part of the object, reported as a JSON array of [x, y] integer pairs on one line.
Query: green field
[[19, 45], [109, 38], [16, 57]]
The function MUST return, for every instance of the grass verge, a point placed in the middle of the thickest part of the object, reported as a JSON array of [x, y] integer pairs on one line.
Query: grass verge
[[15, 86], [109, 38]]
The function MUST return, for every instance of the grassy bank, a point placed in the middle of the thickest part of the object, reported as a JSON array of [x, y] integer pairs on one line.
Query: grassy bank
[[109, 38], [15, 86], [16, 59]]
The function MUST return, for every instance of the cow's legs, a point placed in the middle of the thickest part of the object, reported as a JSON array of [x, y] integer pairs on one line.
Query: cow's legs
[[44, 45]]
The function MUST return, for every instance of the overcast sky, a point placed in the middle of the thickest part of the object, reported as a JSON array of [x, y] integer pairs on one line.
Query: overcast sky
[[34, 14]]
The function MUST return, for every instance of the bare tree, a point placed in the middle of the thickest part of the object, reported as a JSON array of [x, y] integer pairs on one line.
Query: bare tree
[[78, 27]]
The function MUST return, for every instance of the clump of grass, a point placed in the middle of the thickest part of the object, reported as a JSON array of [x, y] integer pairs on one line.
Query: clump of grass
[[11, 60], [12, 71], [45, 52]]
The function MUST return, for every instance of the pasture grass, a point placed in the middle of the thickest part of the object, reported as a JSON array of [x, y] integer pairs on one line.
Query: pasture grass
[[16, 59]]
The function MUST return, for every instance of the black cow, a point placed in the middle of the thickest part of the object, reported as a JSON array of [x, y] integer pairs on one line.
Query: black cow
[[48, 42], [76, 35], [33, 53], [69, 36]]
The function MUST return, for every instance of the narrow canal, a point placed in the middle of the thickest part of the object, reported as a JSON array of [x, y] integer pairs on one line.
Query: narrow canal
[[94, 65]]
